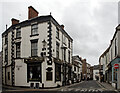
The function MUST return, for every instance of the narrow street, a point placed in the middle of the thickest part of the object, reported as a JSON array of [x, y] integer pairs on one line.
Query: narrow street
[[82, 87], [90, 87]]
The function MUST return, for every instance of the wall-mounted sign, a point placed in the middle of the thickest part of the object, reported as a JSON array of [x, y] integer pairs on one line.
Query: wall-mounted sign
[[116, 66]]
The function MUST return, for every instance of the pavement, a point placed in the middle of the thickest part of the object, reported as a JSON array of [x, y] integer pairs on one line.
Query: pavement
[[81, 87], [106, 85]]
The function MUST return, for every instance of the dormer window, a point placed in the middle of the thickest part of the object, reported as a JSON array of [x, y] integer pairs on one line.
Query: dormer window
[[18, 33], [34, 29]]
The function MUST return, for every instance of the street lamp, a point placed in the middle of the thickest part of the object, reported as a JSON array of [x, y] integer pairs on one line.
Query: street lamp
[[44, 43]]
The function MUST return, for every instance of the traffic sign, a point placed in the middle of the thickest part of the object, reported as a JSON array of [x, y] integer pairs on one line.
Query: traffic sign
[[116, 66]]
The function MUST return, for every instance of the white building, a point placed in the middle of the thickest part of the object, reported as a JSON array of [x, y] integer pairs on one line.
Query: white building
[[110, 57], [36, 52], [77, 68], [96, 72], [88, 70]]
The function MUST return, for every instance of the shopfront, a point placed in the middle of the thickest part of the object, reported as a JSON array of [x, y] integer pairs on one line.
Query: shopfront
[[115, 73]]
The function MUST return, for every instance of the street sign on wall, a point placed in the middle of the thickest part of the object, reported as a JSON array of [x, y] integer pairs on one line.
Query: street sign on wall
[[116, 66]]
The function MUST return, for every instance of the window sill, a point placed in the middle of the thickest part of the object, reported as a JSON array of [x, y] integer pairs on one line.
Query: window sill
[[34, 35]]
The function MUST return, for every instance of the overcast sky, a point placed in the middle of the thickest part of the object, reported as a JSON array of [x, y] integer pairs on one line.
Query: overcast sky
[[91, 23]]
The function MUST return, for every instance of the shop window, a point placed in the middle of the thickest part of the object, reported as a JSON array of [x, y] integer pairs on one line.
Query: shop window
[[115, 74], [57, 72], [34, 72]]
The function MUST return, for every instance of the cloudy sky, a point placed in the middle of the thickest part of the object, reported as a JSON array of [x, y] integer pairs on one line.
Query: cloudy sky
[[91, 23]]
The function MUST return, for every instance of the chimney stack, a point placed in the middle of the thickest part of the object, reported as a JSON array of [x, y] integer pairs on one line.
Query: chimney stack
[[32, 12], [62, 26], [14, 21]]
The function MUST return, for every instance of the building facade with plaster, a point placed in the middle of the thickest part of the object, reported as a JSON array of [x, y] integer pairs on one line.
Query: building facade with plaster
[[111, 57], [76, 68], [36, 52]]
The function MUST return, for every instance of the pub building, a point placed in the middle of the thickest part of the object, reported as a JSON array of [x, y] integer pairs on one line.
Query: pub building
[[36, 53]]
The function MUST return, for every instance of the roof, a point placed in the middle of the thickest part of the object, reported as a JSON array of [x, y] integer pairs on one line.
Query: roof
[[38, 19]]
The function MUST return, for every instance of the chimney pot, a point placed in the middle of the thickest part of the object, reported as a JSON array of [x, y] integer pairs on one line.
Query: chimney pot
[[32, 12], [14, 21], [62, 26]]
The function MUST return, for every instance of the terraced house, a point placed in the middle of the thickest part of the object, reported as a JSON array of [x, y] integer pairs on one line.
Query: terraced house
[[109, 58], [77, 68], [36, 52]]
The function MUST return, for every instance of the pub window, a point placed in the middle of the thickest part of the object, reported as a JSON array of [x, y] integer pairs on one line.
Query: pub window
[[18, 33], [58, 72], [57, 50], [34, 72], [6, 55], [8, 75], [34, 48], [17, 50], [68, 56], [34, 29], [57, 32], [49, 75]]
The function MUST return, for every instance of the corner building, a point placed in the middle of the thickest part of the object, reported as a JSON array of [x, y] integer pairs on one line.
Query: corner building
[[36, 53]]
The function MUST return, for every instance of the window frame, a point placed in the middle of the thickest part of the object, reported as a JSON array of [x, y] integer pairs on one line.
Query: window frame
[[6, 39], [57, 33], [49, 76], [33, 66], [6, 54], [68, 43], [57, 49], [33, 49], [57, 72], [68, 56], [18, 50], [18, 33], [34, 30]]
